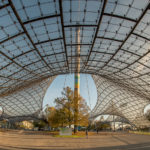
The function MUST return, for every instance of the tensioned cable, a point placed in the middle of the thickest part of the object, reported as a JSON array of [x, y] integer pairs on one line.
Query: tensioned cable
[[88, 92], [78, 19], [65, 81]]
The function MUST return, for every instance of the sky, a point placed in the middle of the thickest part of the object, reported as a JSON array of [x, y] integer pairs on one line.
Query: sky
[[87, 89]]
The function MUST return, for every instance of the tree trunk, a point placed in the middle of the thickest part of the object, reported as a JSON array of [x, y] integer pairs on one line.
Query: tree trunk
[[69, 118]]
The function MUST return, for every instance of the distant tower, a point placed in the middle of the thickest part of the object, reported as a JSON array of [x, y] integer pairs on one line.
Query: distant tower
[[77, 80]]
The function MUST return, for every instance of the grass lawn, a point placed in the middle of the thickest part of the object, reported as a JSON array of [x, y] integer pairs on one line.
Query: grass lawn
[[140, 132], [68, 136], [76, 135]]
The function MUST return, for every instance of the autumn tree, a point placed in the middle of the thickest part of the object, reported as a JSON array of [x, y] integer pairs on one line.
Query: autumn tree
[[66, 104], [51, 116], [63, 114], [55, 117], [83, 113]]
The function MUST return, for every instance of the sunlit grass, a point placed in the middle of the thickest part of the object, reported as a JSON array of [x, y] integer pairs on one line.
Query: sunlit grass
[[68, 136], [140, 132], [83, 133]]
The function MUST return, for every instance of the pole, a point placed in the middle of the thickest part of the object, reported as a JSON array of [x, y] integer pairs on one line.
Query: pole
[[122, 124], [77, 80], [114, 122]]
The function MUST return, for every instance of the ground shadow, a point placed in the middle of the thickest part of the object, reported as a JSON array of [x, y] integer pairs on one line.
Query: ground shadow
[[143, 146]]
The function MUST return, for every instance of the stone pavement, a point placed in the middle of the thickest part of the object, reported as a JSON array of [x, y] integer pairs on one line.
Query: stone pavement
[[19, 141]]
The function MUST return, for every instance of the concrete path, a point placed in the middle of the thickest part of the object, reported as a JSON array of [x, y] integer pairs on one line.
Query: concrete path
[[22, 141]]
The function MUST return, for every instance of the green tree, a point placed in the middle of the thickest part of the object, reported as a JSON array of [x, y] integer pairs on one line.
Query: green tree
[[40, 124]]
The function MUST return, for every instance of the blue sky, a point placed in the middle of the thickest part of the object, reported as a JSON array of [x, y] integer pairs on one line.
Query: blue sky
[[61, 81]]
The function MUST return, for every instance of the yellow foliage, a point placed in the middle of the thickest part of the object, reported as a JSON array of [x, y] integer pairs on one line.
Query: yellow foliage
[[63, 113]]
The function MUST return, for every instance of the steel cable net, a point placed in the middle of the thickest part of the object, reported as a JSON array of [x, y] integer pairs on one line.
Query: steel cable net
[[26, 101], [37, 42], [114, 98]]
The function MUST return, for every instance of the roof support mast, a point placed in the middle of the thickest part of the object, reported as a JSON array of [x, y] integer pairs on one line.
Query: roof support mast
[[77, 80]]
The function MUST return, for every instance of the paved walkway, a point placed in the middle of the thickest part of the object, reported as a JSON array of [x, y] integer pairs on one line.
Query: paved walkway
[[20, 141]]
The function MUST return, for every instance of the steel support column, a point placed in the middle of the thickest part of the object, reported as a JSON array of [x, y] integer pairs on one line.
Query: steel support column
[[77, 81]]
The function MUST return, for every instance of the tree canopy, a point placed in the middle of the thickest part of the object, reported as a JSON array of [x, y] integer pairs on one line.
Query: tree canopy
[[63, 113]]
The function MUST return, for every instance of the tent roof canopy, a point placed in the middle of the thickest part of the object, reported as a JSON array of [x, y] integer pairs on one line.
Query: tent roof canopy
[[37, 41]]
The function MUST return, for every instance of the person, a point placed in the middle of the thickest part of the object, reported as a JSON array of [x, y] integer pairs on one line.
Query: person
[[97, 131], [86, 132]]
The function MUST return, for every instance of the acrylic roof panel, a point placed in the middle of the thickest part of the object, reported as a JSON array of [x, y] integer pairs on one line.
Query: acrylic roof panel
[[115, 99], [38, 41]]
